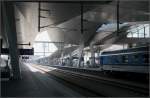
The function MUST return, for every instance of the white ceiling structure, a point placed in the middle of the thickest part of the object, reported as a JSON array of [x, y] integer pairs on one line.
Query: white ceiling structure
[[68, 16]]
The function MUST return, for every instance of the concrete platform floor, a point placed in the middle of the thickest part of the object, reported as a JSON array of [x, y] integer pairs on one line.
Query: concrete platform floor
[[37, 84]]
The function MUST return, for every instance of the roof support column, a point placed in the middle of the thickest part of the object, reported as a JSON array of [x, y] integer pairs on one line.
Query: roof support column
[[80, 63], [10, 30], [81, 47], [118, 21], [92, 55], [70, 60], [62, 54]]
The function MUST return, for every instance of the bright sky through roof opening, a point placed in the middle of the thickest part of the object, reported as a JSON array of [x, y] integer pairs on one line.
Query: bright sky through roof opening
[[43, 36], [46, 48]]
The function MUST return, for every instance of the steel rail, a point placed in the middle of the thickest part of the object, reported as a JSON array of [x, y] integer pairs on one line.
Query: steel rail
[[134, 88]]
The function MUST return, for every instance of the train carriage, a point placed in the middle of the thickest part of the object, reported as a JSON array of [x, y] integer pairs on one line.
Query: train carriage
[[127, 60]]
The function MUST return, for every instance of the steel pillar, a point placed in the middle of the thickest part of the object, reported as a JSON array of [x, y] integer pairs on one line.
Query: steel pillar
[[8, 15], [81, 47], [62, 53], [92, 55], [80, 54]]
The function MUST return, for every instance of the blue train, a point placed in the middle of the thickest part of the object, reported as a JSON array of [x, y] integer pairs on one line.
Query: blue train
[[126, 60]]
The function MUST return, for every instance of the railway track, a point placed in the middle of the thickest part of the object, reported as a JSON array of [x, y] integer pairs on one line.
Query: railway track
[[97, 85]]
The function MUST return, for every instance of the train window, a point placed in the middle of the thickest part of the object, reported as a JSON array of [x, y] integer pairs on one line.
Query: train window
[[136, 58], [145, 58], [117, 59], [125, 58], [109, 59]]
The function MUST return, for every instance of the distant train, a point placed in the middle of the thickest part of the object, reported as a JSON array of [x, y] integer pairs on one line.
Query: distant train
[[126, 60]]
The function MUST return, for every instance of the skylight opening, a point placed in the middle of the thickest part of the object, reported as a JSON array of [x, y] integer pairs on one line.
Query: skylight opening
[[140, 31], [43, 46]]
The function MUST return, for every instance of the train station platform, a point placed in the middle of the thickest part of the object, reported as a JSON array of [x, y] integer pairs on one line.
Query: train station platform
[[35, 83]]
